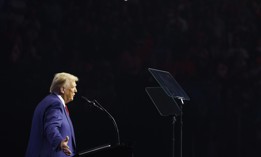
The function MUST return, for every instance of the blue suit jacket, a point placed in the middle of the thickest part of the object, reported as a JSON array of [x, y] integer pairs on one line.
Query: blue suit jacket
[[50, 125]]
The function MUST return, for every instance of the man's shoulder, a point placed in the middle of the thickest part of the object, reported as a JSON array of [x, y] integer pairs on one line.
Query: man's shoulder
[[51, 100], [50, 97]]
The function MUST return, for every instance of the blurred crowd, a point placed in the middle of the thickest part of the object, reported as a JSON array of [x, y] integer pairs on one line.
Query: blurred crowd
[[212, 47]]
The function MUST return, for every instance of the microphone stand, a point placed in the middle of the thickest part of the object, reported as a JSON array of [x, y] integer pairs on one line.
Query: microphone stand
[[99, 106], [181, 125]]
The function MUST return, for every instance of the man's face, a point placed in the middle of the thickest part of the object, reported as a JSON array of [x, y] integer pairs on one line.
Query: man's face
[[69, 92]]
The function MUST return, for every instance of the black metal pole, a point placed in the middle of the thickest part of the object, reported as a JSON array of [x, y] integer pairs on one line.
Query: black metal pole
[[181, 125], [173, 138]]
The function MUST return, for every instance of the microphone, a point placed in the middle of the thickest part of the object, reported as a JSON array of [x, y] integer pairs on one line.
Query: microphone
[[93, 103], [99, 106]]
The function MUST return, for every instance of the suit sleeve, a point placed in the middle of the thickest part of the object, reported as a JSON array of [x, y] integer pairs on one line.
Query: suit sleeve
[[52, 123]]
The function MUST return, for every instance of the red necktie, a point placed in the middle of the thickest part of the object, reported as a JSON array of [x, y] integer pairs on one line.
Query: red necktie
[[66, 108]]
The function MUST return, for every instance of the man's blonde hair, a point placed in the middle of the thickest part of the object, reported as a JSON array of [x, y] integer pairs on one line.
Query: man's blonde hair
[[62, 79]]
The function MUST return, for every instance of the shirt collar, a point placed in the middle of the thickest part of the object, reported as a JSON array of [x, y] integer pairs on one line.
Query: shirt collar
[[60, 97]]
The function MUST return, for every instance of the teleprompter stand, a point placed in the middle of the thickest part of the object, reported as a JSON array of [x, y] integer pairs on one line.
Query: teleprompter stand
[[164, 97]]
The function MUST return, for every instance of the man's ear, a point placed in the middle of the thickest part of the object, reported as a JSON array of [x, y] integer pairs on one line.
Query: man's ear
[[62, 89]]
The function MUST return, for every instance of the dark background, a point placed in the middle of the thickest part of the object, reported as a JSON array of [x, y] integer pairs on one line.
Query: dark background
[[211, 47]]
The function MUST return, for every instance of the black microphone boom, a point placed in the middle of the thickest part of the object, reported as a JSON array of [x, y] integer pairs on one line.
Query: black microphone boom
[[99, 106]]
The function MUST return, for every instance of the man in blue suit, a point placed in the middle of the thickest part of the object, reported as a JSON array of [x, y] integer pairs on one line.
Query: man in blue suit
[[52, 133]]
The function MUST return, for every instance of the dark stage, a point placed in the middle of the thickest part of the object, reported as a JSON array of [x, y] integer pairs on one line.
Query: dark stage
[[212, 48]]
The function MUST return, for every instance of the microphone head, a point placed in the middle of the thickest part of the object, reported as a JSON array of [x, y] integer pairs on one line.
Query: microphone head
[[89, 101]]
